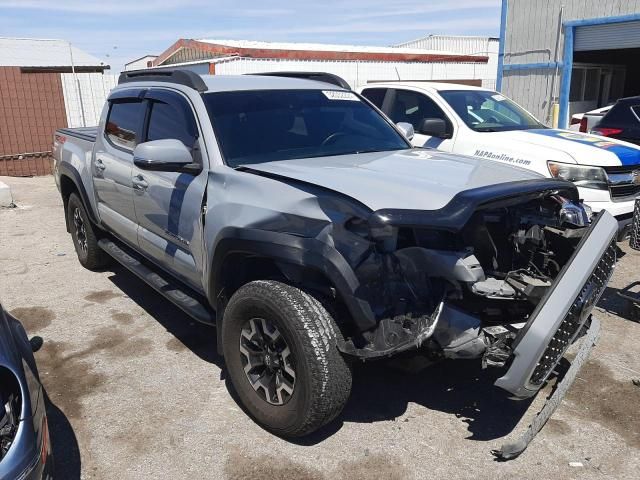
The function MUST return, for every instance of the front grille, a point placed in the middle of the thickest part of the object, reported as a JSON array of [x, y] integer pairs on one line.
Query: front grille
[[576, 316], [622, 181], [619, 191]]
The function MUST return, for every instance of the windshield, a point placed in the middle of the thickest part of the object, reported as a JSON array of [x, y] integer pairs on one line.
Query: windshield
[[259, 126], [485, 111]]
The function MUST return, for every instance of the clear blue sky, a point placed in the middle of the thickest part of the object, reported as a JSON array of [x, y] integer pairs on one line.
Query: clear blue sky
[[121, 30]]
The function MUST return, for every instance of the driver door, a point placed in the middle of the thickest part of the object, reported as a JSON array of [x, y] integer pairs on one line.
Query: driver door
[[168, 204], [414, 107]]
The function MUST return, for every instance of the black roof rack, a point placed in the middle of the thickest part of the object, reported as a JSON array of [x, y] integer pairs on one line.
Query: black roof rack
[[182, 77], [317, 76]]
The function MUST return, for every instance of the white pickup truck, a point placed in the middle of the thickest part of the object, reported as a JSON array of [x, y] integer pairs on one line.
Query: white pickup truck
[[483, 123]]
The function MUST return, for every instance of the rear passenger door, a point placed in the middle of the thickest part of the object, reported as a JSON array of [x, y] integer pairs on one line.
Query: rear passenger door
[[113, 163], [168, 204]]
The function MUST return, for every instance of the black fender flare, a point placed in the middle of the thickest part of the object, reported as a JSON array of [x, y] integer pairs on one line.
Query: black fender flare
[[67, 170], [300, 251]]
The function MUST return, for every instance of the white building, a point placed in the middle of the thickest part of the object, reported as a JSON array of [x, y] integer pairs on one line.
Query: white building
[[140, 63], [466, 45]]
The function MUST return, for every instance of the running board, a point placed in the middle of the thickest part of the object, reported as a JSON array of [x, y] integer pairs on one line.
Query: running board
[[164, 285]]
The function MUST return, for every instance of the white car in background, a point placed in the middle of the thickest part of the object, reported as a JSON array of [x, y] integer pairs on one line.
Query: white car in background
[[584, 122], [483, 123]]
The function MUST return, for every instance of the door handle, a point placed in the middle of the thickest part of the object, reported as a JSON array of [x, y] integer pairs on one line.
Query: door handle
[[139, 183], [99, 165]]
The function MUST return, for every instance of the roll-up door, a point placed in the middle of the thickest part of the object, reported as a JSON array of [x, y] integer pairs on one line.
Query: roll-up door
[[611, 36]]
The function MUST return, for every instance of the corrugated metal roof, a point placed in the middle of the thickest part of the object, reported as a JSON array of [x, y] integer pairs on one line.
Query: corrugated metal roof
[[198, 62], [461, 44], [185, 50], [317, 47], [34, 52]]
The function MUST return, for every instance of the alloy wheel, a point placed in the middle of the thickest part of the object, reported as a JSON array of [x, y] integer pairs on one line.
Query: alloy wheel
[[81, 233], [267, 361]]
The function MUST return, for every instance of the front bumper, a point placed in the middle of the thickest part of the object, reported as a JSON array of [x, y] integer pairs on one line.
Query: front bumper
[[556, 322]]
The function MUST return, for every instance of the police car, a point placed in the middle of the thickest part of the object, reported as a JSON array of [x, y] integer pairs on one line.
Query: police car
[[483, 123]]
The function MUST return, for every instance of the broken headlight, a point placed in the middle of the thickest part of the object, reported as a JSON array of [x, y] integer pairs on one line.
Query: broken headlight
[[574, 214], [581, 175], [10, 405], [385, 236], [358, 226]]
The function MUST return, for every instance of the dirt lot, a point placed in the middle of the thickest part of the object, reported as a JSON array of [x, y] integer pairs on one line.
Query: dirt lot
[[137, 389]]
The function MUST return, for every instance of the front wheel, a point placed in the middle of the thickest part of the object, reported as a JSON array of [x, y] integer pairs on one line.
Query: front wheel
[[280, 350]]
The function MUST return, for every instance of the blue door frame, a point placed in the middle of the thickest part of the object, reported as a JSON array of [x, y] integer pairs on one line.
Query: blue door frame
[[566, 65]]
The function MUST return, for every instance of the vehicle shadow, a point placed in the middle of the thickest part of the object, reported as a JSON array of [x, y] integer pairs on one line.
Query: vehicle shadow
[[613, 303], [197, 337], [66, 451], [381, 391]]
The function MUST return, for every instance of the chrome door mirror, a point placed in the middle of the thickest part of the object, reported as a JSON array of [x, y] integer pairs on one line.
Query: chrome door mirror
[[406, 129]]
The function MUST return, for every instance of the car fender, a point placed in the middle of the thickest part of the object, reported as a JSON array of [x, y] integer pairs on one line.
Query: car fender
[[69, 170], [293, 250]]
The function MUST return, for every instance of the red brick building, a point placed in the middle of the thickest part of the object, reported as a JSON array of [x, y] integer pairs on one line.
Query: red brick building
[[32, 100]]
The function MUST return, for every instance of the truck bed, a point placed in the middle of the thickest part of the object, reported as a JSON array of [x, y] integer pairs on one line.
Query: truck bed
[[85, 133]]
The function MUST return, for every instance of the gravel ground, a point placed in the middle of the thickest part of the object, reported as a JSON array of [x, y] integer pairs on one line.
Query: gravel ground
[[136, 389]]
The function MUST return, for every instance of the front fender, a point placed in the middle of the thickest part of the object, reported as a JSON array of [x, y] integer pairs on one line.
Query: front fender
[[300, 251]]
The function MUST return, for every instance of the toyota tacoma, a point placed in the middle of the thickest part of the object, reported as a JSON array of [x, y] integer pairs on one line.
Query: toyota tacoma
[[291, 213]]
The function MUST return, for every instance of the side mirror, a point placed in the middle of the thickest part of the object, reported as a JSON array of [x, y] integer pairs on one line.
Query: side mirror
[[434, 127], [406, 129], [169, 155]]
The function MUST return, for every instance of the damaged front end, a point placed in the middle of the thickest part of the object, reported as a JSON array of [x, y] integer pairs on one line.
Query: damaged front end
[[487, 280]]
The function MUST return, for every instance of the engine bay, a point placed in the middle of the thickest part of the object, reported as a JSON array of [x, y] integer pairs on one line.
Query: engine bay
[[461, 294]]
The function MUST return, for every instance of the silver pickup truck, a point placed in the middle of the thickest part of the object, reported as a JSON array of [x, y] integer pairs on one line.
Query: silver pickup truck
[[292, 214]]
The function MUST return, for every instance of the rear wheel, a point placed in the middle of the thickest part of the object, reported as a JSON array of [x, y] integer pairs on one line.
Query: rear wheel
[[280, 349], [84, 237]]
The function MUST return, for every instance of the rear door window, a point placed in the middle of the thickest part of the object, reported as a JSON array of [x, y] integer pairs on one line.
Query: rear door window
[[124, 123], [622, 113], [375, 96], [636, 112]]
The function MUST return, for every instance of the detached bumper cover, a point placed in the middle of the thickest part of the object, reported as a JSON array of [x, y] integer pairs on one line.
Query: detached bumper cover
[[563, 311]]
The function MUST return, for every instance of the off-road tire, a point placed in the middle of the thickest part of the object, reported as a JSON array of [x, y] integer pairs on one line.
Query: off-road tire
[[93, 257], [323, 377]]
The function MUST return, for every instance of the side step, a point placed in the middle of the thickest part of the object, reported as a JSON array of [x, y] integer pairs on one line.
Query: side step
[[164, 285]]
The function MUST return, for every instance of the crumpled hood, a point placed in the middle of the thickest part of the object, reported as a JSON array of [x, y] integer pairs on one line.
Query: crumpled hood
[[585, 149], [407, 179]]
